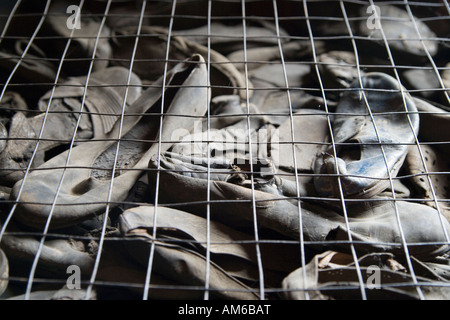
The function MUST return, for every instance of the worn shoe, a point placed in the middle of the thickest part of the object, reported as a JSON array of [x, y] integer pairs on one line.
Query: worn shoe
[[400, 33], [55, 34], [434, 124], [437, 169], [33, 68], [84, 192], [321, 282], [4, 272], [311, 131], [359, 161], [151, 54], [374, 224], [102, 107]]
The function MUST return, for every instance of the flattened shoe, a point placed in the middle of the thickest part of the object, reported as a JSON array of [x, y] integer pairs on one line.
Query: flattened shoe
[[311, 132], [102, 107], [83, 42], [259, 57], [434, 125], [85, 189], [360, 161], [240, 126], [33, 68], [270, 95], [151, 54], [3, 137], [103, 101], [57, 254]]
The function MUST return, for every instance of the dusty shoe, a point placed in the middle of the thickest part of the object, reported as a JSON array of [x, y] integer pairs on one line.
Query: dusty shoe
[[266, 177], [270, 95], [151, 55], [55, 34], [19, 149], [56, 255], [337, 69], [4, 272], [400, 33], [3, 137], [84, 193], [360, 161], [311, 135], [33, 68], [322, 283], [232, 127], [374, 224], [103, 105], [434, 125], [230, 249], [437, 168], [103, 102], [259, 57], [182, 263], [425, 83]]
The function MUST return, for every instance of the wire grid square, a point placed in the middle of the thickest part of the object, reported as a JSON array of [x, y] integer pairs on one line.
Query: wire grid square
[[300, 36]]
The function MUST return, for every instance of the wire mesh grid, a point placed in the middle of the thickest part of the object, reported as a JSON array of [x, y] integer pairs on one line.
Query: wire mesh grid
[[224, 149]]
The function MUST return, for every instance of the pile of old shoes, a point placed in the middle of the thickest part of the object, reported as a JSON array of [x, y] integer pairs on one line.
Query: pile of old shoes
[[216, 161]]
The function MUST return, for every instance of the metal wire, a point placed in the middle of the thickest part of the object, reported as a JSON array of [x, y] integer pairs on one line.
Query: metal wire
[[246, 15]]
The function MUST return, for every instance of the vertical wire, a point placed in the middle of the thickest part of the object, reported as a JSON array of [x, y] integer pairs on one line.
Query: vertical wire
[[344, 207], [422, 157], [107, 209], [255, 221], [291, 116], [208, 187], [152, 247], [47, 225]]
